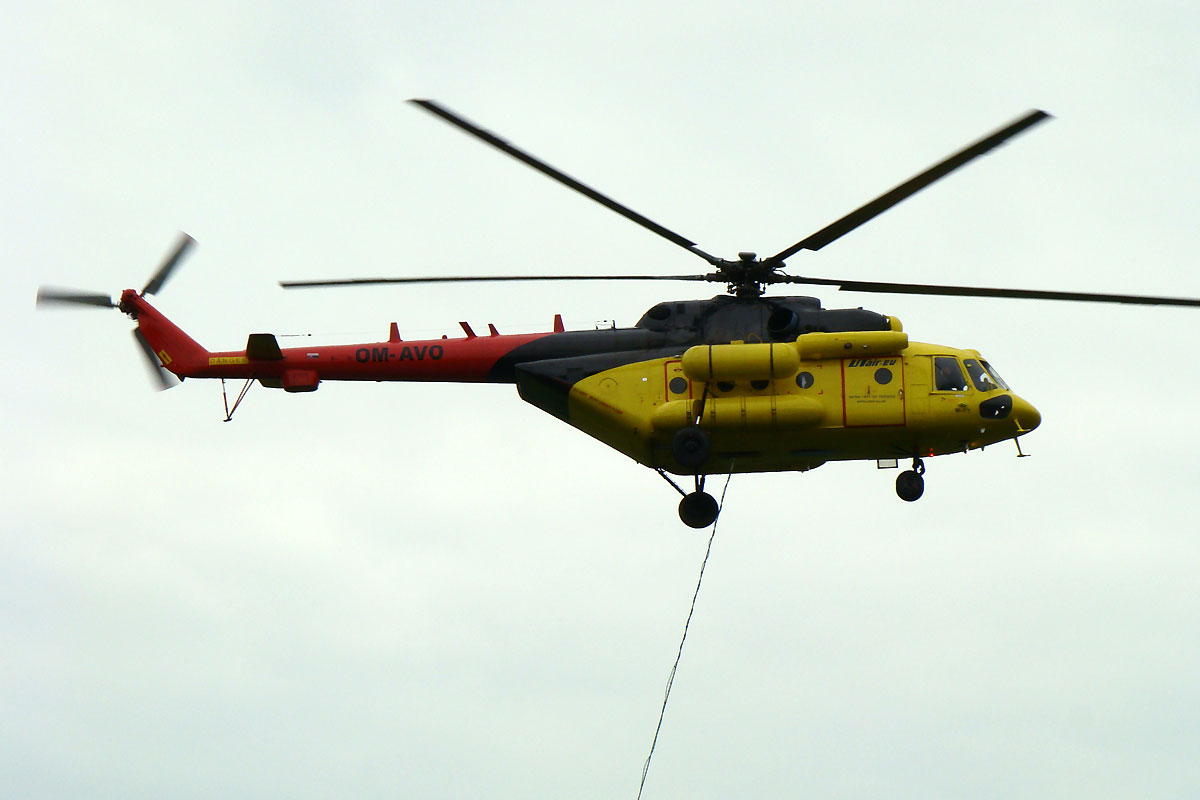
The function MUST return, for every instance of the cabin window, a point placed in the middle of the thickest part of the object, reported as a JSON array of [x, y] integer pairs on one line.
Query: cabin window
[[948, 375], [995, 376], [983, 382]]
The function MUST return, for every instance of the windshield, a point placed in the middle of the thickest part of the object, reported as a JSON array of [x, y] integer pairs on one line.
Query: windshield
[[981, 378], [995, 376]]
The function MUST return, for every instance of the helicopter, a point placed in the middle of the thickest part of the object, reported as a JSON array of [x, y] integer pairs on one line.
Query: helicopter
[[742, 382]]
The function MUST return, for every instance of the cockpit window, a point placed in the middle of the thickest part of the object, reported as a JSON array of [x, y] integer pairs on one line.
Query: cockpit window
[[995, 376], [948, 375], [982, 380]]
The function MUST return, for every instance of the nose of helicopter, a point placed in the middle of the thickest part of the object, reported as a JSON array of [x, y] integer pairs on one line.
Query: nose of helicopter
[[1025, 415]]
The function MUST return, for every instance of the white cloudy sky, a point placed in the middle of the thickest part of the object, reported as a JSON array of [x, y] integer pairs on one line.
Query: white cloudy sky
[[438, 591]]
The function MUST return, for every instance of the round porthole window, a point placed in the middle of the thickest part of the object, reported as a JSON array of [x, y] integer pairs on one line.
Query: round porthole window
[[678, 385], [725, 386], [758, 386], [804, 380], [883, 375]]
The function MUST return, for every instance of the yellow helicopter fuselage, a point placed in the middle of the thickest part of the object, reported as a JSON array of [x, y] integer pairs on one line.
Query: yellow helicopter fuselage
[[870, 395]]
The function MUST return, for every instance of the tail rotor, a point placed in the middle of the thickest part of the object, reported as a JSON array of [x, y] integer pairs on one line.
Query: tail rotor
[[51, 297], [48, 296], [164, 377], [168, 265]]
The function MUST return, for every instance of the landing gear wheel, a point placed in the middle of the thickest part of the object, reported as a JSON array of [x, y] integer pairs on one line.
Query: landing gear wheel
[[698, 509], [691, 447], [910, 485]]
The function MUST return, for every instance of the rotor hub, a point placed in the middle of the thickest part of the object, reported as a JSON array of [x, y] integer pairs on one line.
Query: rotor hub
[[748, 276]]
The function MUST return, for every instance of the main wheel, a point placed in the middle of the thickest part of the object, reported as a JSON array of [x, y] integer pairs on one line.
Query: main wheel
[[910, 486], [691, 447], [698, 509]]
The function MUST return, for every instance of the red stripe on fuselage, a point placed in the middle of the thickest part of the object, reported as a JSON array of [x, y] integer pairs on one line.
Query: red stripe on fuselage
[[456, 360], [468, 360]]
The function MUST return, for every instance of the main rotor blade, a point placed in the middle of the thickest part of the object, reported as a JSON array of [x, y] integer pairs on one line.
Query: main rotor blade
[[562, 177], [488, 278], [169, 264], [47, 296], [165, 378], [980, 291], [910, 187]]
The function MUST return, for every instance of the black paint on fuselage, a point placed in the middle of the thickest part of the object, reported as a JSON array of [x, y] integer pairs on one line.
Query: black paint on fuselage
[[546, 369], [681, 324]]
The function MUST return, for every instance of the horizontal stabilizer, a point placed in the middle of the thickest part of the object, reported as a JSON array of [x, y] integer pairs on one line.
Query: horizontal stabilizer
[[263, 347]]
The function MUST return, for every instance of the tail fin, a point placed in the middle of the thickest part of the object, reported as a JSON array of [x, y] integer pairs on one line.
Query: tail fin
[[177, 351]]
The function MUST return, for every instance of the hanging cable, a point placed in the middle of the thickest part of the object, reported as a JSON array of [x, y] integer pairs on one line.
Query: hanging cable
[[671, 678]]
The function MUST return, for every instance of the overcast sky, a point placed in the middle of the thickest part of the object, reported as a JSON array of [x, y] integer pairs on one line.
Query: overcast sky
[[386, 590]]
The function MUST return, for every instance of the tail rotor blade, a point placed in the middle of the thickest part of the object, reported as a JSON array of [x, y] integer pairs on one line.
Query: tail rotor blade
[[169, 264], [47, 296], [165, 378]]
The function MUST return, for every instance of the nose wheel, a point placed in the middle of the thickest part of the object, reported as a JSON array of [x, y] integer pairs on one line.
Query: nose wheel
[[910, 484]]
